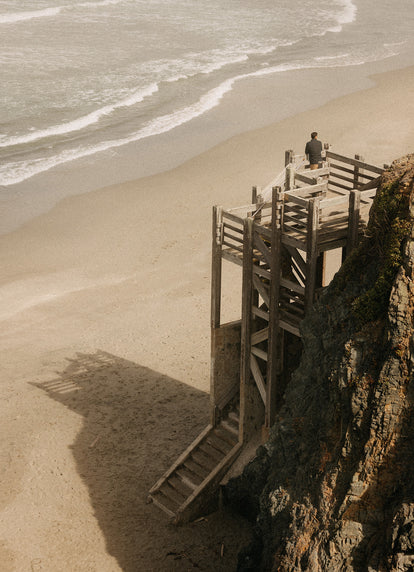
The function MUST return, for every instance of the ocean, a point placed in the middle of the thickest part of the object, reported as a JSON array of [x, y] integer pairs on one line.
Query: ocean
[[84, 78]]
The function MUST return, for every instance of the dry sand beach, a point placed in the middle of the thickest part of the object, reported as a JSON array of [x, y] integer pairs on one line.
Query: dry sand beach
[[105, 345]]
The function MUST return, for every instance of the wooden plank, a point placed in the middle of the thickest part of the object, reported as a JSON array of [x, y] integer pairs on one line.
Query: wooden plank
[[229, 427], [225, 435], [297, 272], [260, 313], [181, 458], [335, 201], [180, 486], [260, 336], [216, 266], [159, 503], [353, 225], [288, 227], [258, 378], [275, 345], [309, 190], [293, 242], [233, 257], [261, 245], [172, 493], [285, 283], [311, 251], [233, 217], [289, 327], [311, 179], [202, 459], [259, 353], [261, 288], [262, 231], [293, 217], [232, 245], [194, 467], [222, 446], [360, 164], [350, 180], [238, 229], [297, 200], [290, 177], [236, 239], [246, 329], [295, 209], [340, 186], [260, 271], [341, 168], [189, 477], [297, 257], [333, 221], [214, 475], [210, 451]]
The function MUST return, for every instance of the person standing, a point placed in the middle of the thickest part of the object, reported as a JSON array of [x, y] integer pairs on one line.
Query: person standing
[[313, 151]]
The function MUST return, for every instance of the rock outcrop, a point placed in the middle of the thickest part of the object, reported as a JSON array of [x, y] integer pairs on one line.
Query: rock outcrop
[[333, 488]]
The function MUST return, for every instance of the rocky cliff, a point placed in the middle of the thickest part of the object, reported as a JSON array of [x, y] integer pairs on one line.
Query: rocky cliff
[[333, 488]]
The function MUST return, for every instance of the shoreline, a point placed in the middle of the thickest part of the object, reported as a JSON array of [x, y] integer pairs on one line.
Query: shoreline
[[252, 104], [105, 343]]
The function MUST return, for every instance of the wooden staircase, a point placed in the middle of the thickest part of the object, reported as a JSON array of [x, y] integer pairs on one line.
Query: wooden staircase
[[190, 484]]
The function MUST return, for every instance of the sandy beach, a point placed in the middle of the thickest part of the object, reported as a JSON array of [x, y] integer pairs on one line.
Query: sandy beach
[[105, 345]]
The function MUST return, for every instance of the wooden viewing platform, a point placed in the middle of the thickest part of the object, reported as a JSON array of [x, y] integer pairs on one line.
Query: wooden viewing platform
[[280, 240]]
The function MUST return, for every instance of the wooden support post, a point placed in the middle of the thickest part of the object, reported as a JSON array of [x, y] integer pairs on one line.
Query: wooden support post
[[275, 345], [289, 154], [357, 170], [254, 195], [353, 220], [216, 267], [311, 251], [246, 329], [251, 404], [290, 178]]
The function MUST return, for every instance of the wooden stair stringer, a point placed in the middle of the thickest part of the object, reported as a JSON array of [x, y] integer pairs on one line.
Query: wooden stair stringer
[[181, 507]]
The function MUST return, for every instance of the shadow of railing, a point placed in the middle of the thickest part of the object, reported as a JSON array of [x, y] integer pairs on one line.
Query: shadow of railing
[[136, 422]]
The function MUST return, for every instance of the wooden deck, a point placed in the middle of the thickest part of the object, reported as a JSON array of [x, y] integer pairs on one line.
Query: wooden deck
[[280, 239]]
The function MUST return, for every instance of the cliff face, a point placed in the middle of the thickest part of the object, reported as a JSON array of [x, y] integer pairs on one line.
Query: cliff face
[[333, 489]]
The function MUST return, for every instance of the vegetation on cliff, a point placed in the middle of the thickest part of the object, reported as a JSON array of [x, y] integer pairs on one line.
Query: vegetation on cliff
[[333, 488]]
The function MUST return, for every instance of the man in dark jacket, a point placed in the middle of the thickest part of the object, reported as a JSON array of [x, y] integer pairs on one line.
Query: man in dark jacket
[[313, 151]]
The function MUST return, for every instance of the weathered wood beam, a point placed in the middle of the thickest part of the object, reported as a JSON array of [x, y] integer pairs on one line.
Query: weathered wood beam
[[360, 164], [311, 251]]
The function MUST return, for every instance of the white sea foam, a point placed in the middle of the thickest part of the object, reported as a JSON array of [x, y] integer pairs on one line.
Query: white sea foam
[[17, 172], [22, 16], [346, 16], [81, 122], [102, 3], [49, 12]]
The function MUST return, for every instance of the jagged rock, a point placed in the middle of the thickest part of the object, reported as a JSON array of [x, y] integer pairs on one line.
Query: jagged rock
[[333, 488]]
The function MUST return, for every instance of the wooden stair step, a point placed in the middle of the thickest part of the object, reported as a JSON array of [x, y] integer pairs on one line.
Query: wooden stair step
[[234, 416], [204, 460], [225, 435], [173, 494], [191, 479], [225, 424], [180, 486], [210, 451], [195, 468], [164, 503], [219, 444]]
